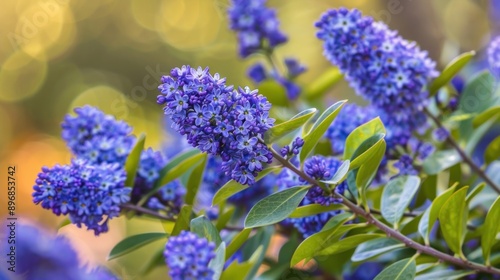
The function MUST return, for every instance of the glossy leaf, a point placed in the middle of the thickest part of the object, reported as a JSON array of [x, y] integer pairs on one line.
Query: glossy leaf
[[444, 274], [225, 217], [217, 263], [255, 249], [492, 113], [431, 214], [450, 71], [340, 174], [441, 160], [347, 243], [275, 208], [453, 220], [280, 130], [492, 151], [351, 183], [314, 243], [203, 227], [194, 181], [478, 95], [491, 229], [134, 242], [360, 135], [397, 195], [133, 160], [237, 242], [401, 270], [182, 222], [236, 270], [232, 187], [367, 150], [368, 169], [313, 209], [319, 128], [477, 190], [320, 85], [374, 248]]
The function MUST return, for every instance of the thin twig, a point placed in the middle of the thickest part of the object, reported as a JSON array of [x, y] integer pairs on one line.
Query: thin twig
[[463, 155], [390, 231]]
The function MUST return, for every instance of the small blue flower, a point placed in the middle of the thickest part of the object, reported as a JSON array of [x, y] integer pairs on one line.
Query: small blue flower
[[257, 73], [187, 257], [294, 67], [494, 57], [233, 120], [92, 198]]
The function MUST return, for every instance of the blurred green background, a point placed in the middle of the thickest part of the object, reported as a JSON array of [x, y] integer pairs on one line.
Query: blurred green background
[[59, 54]]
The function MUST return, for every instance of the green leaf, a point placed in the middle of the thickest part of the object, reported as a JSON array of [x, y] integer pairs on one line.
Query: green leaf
[[183, 220], [453, 220], [325, 81], [224, 218], [401, 270], [450, 71], [475, 192], [276, 207], [237, 242], [351, 183], [397, 195], [478, 95], [440, 160], [347, 243], [340, 174], [483, 117], [444, 274], [204, 228], [133, 159], [232, 187], [366, 150], [374, 248], [314, 243], [490, 230], [432, 213], [134, 242], [319, 128], [217, 263], [236, 270], [313, 209], [255, 249], [337, 221], [194, 181], [492, 151], [369, 168], [360, 135], [280, 130]]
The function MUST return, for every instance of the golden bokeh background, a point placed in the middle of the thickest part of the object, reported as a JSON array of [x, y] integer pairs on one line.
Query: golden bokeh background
[[56, 55]]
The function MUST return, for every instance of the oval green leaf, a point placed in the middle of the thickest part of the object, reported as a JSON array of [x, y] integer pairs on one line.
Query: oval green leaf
[[453, 220], [313, 209], [319, 128], [204, 228], [278, 131], [440, 160], [360, 135], [397, 195], [276, 207], [401, 270], [374, 248], [134, 242], [217, 263], [340, 174], [491, 113], [183, 220], [491, 229], [492, 151], [194, 181], [347, 243], [237, 242], [450, 71]]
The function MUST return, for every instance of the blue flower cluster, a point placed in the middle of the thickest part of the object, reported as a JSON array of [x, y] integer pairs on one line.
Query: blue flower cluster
[[294, 149], [214, 178], [89, 194], [409, 164], [169, 198], [97, 137], [219, 119], [494, 57], [256, 25], [381, 66], [188, 256], [319, 168], [47, 257]]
